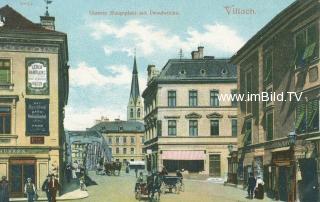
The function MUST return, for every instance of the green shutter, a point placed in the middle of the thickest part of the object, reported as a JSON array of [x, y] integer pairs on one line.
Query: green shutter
[[300, 114], [313, 108], [309, 51], [4, 76]]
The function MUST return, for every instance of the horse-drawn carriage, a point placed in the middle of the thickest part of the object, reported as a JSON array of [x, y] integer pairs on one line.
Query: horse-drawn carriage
[[171, 184], [112, 168]]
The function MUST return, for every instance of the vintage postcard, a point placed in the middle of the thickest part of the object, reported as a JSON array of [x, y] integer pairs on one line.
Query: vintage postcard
[[163, 100]]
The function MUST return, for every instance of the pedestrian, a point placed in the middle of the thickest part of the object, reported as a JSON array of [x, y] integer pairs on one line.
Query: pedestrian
[[136, 171], [54, 186], [68, 172], [30, 190], [259, 192], [76, 169], [251, 185], [45, 187], [4, 189]]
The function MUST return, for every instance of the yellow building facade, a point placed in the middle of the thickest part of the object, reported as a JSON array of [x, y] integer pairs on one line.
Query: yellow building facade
[[33, 93]]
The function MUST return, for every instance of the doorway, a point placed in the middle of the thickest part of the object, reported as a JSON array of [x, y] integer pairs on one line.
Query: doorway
[[19, 171], [283, 183], [214, 165]]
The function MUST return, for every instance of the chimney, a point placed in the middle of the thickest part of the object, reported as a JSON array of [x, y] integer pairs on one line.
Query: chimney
[[152, 72], [195, 55], [47, 22], [200, 51]]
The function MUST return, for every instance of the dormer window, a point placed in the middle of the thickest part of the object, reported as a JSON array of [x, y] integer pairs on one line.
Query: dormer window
[[182, 72], [223, 71], [202, 72], [120, 128]]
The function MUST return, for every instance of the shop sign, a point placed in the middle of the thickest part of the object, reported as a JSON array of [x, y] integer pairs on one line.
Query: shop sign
[[37, 76], [22, 151], [37, 116]]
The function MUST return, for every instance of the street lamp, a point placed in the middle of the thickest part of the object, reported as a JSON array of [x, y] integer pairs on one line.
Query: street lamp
[[292, 138], [230, 148]]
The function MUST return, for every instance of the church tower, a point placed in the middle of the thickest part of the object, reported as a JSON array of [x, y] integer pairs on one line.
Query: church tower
[[135, 105]]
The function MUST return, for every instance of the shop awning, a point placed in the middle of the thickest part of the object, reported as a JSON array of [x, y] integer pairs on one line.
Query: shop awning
[[281, 149], [183, 155]]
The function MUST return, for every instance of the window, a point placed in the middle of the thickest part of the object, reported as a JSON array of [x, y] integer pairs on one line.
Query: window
[[142, 140], [117, 140], [193, 128], [124, 150], [117, 150], [124, 140], [5, 120], [172, 128], [234, 102], [131, 113], [214, 126], [132, 140], [307, 45], [269, 126], [301, 117], [132, 150], [313, 115], [248, 132], [234, 127], [138, 112], [110, 140], [248, 91], [5, 71], [214, 101], [267, 68], [120, 128], [313, 74], [193, 98], [172, 99]]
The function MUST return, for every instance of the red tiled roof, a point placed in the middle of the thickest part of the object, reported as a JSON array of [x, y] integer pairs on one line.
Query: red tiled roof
[[17, 22]]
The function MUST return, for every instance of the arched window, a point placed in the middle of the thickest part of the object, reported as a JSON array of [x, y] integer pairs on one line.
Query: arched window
[[138, 113], [131, 113]]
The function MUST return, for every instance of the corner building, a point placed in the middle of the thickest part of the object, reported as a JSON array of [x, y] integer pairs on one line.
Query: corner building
[[33, 93]]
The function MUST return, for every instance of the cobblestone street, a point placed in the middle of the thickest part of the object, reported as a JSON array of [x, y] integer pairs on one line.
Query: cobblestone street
[[120, 189]]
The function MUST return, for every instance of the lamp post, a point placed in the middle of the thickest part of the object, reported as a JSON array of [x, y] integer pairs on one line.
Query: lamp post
[[292, 137]]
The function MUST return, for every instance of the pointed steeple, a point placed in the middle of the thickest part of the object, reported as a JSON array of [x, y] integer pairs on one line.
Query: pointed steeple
[[135, 92]]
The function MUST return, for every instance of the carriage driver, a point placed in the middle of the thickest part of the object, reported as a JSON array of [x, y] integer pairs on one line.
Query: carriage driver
[[140, 180]]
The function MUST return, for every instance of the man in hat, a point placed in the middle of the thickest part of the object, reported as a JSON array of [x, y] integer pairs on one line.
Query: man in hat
[[30, 190], [53, 188], [4, 189], [45, 187]]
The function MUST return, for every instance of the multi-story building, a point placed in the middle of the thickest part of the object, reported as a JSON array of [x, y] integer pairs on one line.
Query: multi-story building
[[187, 126], [126, 138], [33, 93], [88, 148], [279, 138]]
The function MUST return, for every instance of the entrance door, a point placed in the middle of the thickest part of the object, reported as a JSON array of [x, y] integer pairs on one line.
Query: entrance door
[[309, 185], [283, 181], [19, 171], [214, 165]]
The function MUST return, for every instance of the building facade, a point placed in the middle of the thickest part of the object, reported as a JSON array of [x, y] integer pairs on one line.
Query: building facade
[[33, 93], [187, 127], [88, 148], [124, 138], [279, 137]]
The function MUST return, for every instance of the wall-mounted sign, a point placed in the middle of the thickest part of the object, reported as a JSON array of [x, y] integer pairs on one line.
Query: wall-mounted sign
[[37, 76], [37, 116], [37, 140]]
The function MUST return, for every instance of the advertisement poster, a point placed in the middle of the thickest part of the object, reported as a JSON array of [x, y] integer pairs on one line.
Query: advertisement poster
[[162, 100], [37, 70]]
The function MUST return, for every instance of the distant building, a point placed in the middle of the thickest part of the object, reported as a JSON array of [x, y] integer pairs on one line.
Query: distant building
[[187, 127], [282, 57], [88, 148], [33, 93], [126, 138]]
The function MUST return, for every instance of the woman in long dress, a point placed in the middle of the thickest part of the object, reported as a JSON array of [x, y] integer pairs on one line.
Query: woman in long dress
[[4, 189]]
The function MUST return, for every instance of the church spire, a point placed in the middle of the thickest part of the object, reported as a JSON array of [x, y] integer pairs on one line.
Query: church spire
[[135, 92]]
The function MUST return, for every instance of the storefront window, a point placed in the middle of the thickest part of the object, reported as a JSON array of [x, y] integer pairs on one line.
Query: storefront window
[[5, 120]]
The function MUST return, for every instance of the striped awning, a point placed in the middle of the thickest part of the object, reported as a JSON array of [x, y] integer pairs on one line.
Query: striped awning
[[183, 155]]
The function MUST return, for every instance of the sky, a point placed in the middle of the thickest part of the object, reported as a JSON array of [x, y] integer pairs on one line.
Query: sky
[[103, 34]]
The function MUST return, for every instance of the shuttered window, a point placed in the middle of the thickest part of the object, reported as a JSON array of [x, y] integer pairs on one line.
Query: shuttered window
[[5, 71], [269, 126], [313, 115], [300, 117], [267, 68]]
